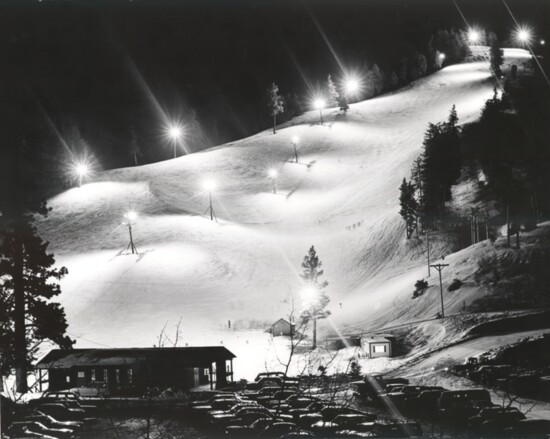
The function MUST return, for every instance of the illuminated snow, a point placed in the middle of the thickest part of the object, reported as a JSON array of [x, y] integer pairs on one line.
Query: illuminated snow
[[340, 197]]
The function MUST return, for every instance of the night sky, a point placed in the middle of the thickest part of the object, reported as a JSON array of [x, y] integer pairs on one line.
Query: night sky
[[95, 71]]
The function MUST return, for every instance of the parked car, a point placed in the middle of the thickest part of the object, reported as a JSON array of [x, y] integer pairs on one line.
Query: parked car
[[460, 405], [426, 403], [268, 374], [348, 421], [306, 420], [37, 427], [214, 397], [95, 390], [61, 412], [330, 412], [278, 429], [21, 431], [68, 399], [51, 422], [529, 428], [488, 374], [495, 418]]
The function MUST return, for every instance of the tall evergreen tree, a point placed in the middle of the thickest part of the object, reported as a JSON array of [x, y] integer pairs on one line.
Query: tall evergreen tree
[[315, 307], [409, 206], [27, 274], [275, 103], [332, 93], [496, 55]]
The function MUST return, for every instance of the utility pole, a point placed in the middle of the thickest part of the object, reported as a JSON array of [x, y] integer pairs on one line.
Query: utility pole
[[428, 248], [474, 224], [439, 268]]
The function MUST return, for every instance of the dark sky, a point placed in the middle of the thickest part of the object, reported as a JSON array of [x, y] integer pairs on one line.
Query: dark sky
[[101, 69]]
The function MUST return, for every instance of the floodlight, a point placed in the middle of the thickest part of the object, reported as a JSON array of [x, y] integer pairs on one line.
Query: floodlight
[[523, 35], [473, 36], [273, 173], [319, 104], [351, 86], [295, 140], [131, 215], [81, 169], [209, 185]]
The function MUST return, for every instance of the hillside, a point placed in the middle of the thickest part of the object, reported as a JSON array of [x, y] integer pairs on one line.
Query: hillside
[[341, 197]]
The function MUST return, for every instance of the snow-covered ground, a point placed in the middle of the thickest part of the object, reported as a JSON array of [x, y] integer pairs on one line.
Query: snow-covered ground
[[342, 197]]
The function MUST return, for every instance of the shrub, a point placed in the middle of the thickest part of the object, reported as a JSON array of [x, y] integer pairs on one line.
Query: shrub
[[420, 287], [455, 285]]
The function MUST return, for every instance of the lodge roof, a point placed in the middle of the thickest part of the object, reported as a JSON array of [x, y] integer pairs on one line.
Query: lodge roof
[[283, 320], [190, 356]]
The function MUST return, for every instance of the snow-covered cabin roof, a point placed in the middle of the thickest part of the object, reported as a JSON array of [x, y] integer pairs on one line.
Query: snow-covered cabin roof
[[375, 339], [283, 320], [63, 359]]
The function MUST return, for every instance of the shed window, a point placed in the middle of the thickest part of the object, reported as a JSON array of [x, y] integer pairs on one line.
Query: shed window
[[105, 375], [130, 376], [81, 374], [92, 375], [68, 379], [378, 348], [117, 375]]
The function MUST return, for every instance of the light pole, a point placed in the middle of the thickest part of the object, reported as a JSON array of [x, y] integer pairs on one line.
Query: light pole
[[131, 218], [294, 141], [175, 132], [210, 185], [319, 104], [81, 170], [439, 268], [273, 175]]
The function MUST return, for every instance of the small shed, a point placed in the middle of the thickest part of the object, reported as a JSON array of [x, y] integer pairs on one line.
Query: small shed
[[377, 346], [283, 327]]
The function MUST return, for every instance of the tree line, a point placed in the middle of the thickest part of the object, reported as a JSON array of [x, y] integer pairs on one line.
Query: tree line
[[444, 48], [510, 144]]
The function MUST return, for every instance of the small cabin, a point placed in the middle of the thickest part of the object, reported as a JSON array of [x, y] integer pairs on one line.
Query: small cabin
[[283, 327], [377, 346], [134, 369]]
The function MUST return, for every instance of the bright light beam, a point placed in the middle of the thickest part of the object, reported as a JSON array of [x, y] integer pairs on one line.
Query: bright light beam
[[319, 103], [473, 36]]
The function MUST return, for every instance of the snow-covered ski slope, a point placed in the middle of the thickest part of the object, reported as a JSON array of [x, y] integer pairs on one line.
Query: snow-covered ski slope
[[342, 197]]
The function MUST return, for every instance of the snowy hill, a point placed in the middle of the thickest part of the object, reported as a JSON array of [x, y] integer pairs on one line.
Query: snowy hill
[[341, 197]]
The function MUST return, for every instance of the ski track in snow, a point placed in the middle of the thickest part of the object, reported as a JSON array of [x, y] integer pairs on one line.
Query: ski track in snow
[[246, 266]]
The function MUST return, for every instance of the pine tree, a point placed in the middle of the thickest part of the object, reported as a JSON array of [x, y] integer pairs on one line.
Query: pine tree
[[343, 103], [314, 307], [275, 103], [332, 93], [393, 81], [497, 55], [409, 206], [27, 274]]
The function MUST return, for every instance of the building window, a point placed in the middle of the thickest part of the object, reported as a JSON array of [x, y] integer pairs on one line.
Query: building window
[[105, 375], [81, 374], [130, 376], [228, 366], [117, 375], [68, 379], [379, 348], [206, 372], [92, 375]]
